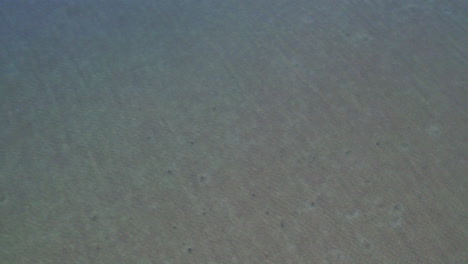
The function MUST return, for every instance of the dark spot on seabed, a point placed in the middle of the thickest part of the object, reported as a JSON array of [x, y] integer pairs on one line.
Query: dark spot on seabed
[[397, 207]]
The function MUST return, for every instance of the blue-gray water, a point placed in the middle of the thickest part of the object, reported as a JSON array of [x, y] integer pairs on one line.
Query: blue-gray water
[[236, 131]]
